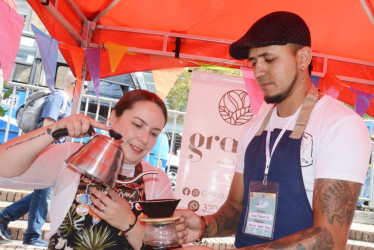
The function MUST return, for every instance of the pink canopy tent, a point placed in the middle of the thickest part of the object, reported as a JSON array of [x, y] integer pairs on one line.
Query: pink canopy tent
[[174, 33]]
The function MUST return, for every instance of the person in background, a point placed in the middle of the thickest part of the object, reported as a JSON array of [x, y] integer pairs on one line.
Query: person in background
[[83, 213], [301, 164], [56, 107], [365, 190]]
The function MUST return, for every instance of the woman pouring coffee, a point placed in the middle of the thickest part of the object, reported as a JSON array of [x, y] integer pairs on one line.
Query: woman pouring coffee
[[84, 213]]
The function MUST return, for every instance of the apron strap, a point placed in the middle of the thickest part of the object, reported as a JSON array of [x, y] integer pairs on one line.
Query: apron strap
[[265, 122], [302, 120]]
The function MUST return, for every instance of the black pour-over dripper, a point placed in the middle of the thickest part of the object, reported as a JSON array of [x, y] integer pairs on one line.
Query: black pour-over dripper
[[159, 208]]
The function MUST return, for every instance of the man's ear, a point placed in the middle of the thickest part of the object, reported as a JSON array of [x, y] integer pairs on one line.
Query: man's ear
[[304, 57]]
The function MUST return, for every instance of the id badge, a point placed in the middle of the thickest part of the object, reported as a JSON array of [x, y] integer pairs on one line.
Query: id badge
[[261, 210]]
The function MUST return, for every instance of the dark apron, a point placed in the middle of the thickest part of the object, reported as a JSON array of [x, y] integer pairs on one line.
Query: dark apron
[[293, 210], [88, 231]]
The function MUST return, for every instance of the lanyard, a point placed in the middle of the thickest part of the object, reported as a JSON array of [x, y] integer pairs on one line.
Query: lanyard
[[268, 153]]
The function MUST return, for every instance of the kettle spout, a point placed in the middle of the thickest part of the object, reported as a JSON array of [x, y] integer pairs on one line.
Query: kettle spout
[[136, 177]]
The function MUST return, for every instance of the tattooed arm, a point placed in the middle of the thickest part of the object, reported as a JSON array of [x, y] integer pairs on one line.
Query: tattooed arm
[[334, 203], [223, 223], [20, 152]]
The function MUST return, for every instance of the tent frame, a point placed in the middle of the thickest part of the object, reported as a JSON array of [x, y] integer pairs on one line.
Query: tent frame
[[84, 39]]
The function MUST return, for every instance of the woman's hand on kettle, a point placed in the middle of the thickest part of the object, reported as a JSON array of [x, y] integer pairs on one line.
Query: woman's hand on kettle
[[113, 209], [78, 125]]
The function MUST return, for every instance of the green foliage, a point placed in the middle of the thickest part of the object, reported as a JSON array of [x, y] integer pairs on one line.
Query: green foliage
[[5, 96], [94, 238], [178, 95]]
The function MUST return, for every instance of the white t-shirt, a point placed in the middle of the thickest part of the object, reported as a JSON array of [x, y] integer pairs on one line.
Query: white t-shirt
[[50, 170], [335, 144]]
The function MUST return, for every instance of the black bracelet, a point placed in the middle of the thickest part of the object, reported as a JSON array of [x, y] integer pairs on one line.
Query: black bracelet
[[130, 226]]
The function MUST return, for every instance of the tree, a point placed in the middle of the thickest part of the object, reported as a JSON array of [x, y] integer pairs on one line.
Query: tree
[[178, 95]]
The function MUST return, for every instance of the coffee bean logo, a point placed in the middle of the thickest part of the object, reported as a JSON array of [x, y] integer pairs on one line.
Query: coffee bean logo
[[235, 108]]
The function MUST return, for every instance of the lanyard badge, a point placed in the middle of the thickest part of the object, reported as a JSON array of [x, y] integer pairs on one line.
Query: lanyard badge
[[260, 218]]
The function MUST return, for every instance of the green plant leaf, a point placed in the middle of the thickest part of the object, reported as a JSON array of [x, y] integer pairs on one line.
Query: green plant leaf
[[7, 94], [2, 111]]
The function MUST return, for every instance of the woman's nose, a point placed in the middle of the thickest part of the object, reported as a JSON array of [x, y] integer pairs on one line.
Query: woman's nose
[[144, 137]]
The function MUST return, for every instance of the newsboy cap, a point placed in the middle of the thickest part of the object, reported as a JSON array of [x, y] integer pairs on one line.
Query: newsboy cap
[[276, 28]]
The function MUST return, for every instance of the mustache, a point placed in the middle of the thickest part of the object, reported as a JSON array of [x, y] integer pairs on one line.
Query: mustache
[[262, 79]]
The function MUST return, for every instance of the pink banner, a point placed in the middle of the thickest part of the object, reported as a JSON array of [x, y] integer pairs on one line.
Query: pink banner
[[254, 91], [11, 25], [217, 111]]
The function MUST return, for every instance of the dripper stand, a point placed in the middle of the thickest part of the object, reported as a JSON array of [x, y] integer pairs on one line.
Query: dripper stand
[[160, 231]]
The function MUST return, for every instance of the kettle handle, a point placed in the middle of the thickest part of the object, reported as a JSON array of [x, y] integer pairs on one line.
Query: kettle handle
[[57, 134], [136, 178]]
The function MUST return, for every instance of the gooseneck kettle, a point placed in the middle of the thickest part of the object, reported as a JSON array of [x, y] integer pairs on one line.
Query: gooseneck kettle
[[100, 158]]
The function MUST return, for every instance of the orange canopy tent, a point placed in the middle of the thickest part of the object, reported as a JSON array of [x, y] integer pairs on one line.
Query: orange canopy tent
[[175, 33]]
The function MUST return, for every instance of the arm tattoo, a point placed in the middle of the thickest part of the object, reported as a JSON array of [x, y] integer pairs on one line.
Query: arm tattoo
[[334, 203], [337, 199], [310, 239], [22, 142], [226, 219]]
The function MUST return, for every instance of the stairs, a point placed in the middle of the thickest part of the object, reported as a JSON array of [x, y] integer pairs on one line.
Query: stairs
[[361, 236], [16, 228]]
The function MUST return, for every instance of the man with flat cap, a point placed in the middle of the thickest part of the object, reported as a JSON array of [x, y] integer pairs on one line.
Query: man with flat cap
[[301, 164]]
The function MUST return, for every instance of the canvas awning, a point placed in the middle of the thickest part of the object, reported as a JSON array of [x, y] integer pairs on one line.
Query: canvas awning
[[176, 33]]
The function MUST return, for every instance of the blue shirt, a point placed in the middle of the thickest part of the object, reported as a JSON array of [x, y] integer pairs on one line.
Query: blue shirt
[[52, 106]]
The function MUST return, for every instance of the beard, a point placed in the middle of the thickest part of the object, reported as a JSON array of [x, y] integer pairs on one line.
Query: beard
[[281, 96]]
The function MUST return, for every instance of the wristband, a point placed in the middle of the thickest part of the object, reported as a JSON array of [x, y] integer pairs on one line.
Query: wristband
[[203, 229], [130, 226]]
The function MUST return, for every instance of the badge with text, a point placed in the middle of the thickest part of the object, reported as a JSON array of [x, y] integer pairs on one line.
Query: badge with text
[[261, 210]]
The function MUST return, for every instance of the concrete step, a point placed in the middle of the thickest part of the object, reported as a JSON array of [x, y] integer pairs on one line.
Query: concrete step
[[362, 232], [12, 194], [14, 244], [359, 245], [17, 228], [364, 217]]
